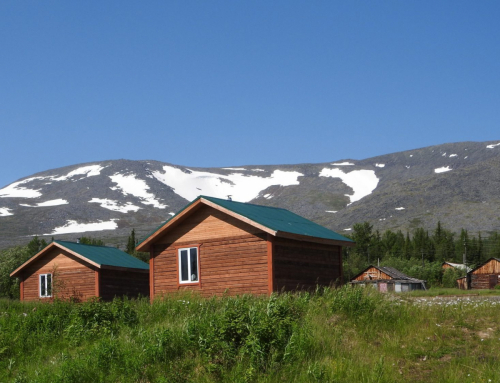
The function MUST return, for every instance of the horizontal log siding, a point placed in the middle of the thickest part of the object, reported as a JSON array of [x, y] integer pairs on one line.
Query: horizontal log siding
[[72, 277], [236, 264], [372, 273], [304, 265], [486, 276], [207, 223], [123, 283]]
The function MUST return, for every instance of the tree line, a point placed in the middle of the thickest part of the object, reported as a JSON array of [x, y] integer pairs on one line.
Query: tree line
[[419, 254]]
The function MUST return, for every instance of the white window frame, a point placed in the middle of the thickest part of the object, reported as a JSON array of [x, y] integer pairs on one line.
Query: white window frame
[[188, 249], [46, 295]]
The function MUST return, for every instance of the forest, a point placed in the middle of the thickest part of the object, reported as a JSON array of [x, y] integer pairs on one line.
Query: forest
[[419, 254]]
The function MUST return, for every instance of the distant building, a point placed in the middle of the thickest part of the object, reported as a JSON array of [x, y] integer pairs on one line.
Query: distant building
[[485, 276], [385, 279]]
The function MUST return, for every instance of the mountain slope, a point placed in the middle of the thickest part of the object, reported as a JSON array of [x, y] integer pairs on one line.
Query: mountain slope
[[456, 183]]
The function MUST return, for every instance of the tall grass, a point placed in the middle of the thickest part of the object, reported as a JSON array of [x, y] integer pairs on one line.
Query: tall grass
[[332, 335]]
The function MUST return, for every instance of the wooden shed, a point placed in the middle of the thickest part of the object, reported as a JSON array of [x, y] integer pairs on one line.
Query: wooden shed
[[385, 279], [486, 275], [73, 270], [215, 246]]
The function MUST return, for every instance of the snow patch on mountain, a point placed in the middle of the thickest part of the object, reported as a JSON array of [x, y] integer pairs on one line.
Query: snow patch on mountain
[[492, 146], [75, 227], [363, 182], [88, 171], [129, 184], [400, 208], [114, 205], [380, 165], [453, 155], [241, 187], [5, 211], [234, 168], [53, 202], [443, 169], [343, 164], [15, 190]]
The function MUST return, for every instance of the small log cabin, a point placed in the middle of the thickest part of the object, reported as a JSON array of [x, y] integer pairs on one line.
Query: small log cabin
[[485, 276], [70, 270], [214, 246], [385, 279]]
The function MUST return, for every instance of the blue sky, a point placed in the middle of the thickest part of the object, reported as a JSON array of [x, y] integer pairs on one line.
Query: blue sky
[[227, 83]]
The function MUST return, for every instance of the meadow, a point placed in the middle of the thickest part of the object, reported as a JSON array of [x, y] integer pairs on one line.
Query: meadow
[[331, 335]]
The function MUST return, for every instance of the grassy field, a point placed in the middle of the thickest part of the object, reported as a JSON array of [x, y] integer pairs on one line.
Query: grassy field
[[344, 335]]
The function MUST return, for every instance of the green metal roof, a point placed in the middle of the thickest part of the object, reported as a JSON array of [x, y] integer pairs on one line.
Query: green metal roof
[[278, 219], [104, 255], [274, 218]]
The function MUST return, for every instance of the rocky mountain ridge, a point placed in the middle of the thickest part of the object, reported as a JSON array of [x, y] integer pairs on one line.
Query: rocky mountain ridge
[[456, 183]]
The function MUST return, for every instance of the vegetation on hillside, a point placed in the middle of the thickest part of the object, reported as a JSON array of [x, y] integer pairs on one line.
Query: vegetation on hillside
[[419, 254]]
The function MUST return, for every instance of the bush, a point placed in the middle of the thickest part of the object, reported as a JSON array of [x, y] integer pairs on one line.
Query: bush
[[262, 332], [450, 276], [96, 318]]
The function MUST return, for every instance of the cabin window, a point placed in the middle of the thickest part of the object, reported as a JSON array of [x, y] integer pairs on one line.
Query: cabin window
[[188, 265], [45, 285]]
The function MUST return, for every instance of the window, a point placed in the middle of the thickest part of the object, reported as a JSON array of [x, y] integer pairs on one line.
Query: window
[[45, 285], [188, 265]]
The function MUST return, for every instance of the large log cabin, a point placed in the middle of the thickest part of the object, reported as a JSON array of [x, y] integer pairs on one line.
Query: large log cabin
[[69, 270], [215, 246]]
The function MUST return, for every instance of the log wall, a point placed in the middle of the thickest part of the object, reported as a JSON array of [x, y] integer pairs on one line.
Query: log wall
[[487, 276], [232, 255], [71, 277], [304, 265], [119, 283]]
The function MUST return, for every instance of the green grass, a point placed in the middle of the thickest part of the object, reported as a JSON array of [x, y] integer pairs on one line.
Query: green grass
[[344, 335]]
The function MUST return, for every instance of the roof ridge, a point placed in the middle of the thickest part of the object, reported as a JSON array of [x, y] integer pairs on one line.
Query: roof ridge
[[86, 244], [244, 203]]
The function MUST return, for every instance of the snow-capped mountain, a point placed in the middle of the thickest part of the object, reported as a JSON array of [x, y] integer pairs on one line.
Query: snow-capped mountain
[[457, 184]]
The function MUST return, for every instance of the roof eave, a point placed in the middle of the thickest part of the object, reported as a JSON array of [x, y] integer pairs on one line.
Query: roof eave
[[32, 259], [123, 268], [48, 248], [145, 244], [307, 238]]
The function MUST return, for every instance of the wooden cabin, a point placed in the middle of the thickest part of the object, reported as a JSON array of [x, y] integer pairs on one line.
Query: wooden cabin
[[214, 246], [70, 270], [385, 279], [486, 275]]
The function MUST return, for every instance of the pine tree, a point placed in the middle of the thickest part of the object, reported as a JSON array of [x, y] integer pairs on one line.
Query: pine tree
[[131, 243]]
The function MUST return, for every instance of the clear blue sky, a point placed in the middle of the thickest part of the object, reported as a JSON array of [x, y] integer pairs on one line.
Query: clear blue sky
[[226, 83]]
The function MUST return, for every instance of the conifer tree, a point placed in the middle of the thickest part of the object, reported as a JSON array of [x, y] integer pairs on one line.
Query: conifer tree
[[131, 243]]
